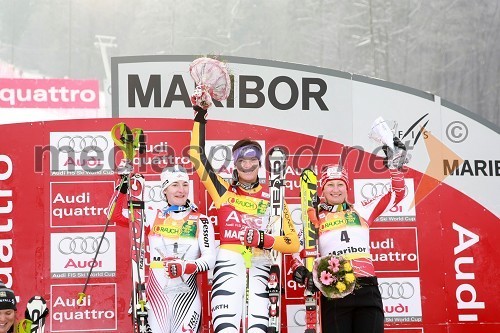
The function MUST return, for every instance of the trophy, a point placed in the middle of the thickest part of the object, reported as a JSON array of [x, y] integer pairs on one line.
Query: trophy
[[174, 251], [395, 150], [381, 132]]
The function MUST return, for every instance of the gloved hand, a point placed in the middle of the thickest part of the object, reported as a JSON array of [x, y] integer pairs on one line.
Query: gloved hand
[[201, 97], [313, 216], [176, 267], [256, 238], [200, 114], [303, 276], [395, 159], [125, 167], [123, 185]]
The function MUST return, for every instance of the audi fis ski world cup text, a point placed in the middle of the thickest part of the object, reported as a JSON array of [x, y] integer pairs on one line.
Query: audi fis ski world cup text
[[401, 299], [72, 255]]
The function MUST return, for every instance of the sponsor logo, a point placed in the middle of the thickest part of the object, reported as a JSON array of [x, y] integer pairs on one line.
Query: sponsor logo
[[81, 245], [242, 204], [79, 203], [375, 189], [167, 231], [401, 299], [96, 312], [299, 317], [394, 249], [193, 323], [396, 290], [78, 143], [415, 131], [205, 222], [466, 295], [6, 213], [49, 93], [72, 254], [80, 153], [220, 307]]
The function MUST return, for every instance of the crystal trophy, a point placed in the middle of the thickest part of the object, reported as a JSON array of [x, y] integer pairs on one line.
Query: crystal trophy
[[174, 251], [383, 133]]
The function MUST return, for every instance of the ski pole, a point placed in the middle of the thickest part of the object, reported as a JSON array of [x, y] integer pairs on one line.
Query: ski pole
[[128, 141], [111, 209]]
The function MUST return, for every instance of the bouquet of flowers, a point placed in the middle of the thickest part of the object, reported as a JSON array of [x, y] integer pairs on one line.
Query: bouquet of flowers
[[212, 81], [334, 276]]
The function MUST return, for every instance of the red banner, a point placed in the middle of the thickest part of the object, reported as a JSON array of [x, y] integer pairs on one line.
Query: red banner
[[436, 261]]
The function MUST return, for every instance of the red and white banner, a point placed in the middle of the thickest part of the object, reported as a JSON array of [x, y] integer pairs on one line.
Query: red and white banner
[[41, 99], [435, 253], [49, 93]]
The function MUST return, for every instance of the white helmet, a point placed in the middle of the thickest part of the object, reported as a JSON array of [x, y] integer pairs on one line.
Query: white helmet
[[172, 174]]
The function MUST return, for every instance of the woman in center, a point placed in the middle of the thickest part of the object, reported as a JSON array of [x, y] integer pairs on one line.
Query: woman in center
[[243, 217]]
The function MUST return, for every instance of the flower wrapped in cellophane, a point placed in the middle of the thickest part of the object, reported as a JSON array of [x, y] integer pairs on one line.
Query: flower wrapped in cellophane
[[212, 81], [334, 276]]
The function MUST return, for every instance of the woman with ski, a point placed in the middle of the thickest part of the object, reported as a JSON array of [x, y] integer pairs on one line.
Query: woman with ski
[[344, 231], [243, 219], [181, 243]]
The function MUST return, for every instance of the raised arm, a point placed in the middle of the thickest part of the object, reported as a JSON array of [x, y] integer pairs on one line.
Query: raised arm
[[372, 208], [214, 184]]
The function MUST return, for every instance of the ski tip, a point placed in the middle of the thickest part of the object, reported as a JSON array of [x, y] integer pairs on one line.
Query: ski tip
[[308, 175], [36, 298], [24, 326], [307, 170], [277, 152]]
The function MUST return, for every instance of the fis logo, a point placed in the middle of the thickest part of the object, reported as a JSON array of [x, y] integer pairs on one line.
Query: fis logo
[[416, 131]]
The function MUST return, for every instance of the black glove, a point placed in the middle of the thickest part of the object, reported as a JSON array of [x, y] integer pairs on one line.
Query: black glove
[[397, 157], [123, 186], [398, 143], [303, 276], [200, 114]]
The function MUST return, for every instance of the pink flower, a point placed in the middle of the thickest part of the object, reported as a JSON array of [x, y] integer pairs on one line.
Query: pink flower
[[326, 278], [334, 264]]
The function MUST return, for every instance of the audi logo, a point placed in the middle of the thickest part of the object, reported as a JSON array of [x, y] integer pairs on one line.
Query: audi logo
[[80, 143], [299, 318], [83, 245], [370, 190], [296, 214], [153, 193], [396, 290]]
